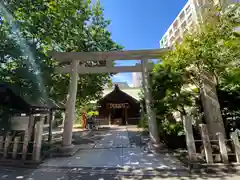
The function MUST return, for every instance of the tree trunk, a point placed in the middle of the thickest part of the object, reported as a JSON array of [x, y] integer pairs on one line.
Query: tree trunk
[[211, 106]]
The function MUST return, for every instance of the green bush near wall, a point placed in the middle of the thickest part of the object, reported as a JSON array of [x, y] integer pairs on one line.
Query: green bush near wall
[[143, 123], [93, 113]]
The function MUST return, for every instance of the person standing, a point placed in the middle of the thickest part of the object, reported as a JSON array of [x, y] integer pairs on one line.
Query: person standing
[[84, 120]]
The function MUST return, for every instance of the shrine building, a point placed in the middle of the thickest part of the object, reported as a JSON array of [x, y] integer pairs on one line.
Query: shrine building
[[119, 106]]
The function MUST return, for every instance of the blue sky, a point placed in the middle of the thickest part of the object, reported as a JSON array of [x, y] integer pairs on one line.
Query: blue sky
[[139, 24]]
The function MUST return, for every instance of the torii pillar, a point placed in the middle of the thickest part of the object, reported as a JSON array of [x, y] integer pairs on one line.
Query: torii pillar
[[151, 116], [70, 107]]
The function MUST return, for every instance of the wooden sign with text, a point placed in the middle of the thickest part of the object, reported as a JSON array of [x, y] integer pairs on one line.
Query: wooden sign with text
[[118, 106]]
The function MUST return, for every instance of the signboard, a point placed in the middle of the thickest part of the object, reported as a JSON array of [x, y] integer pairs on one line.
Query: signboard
[[118, 106], [19, 123]]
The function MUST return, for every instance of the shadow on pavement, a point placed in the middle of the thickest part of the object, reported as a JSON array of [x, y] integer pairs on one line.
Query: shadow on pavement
[[111, 174], [112, 163]]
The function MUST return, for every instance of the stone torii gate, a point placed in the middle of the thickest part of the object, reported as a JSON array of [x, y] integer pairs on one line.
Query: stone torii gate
[[75, 68]]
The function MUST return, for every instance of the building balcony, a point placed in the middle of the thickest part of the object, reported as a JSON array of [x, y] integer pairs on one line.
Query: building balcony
[[188, 9], [182, 16], [177, 33], [175, 25]]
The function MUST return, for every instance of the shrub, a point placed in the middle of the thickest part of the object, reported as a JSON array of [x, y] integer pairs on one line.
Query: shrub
[[143, 122], [172, 134]]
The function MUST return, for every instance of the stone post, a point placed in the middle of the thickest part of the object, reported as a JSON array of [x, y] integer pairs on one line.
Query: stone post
[[151, 116], [15, 147], [6, 145], [1, 142], [223, 147], [235, 139], [27, 136], [187, 123], [206, 143], [70, 108], [38, 139], [51, 120], [25, 145], [63, 119]]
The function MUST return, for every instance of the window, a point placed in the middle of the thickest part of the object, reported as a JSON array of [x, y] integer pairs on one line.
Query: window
[[165, 39], [172, 39], [189, 17], [185, 31], [182, 15], [165, 45], [190, 24], [179, 40], [188, 9], [177, 32], [200, 3], [175, 24], [184, 24]]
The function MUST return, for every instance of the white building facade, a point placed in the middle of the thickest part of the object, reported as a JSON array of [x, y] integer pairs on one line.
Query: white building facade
[[186, 19], [182, 22], [136, 79]]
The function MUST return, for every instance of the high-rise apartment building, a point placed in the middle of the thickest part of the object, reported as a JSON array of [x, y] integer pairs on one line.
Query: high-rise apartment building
[[182, 22], [187, 17]]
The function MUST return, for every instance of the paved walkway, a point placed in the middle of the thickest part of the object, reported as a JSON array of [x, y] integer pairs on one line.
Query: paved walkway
[[99, 158], [117, 148], [70, 174]]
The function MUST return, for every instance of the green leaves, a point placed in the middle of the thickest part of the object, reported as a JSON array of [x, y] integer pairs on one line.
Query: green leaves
[[63, 25], [214, 47], [167, 90]]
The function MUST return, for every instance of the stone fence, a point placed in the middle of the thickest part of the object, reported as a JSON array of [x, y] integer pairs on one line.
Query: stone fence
[[227, 147], [18, 143]]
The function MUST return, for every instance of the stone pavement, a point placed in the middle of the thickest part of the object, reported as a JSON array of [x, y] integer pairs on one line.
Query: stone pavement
[[116, 154], [114, 150], [76, 174]]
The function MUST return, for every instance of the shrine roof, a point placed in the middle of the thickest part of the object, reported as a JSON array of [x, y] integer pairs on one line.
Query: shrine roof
[[12, 97], [117, 95]]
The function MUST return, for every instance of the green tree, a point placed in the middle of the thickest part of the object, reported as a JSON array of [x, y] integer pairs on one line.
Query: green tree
[[169, 98], [48, 25], [213, 47], [167, 89]]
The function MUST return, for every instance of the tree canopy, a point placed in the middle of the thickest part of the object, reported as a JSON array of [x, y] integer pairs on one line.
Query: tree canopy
[[29, 29], [212, 46]]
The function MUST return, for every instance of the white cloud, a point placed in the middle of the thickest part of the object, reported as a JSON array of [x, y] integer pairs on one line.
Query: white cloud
[[125, 62], [131, 85], [123, 77]]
